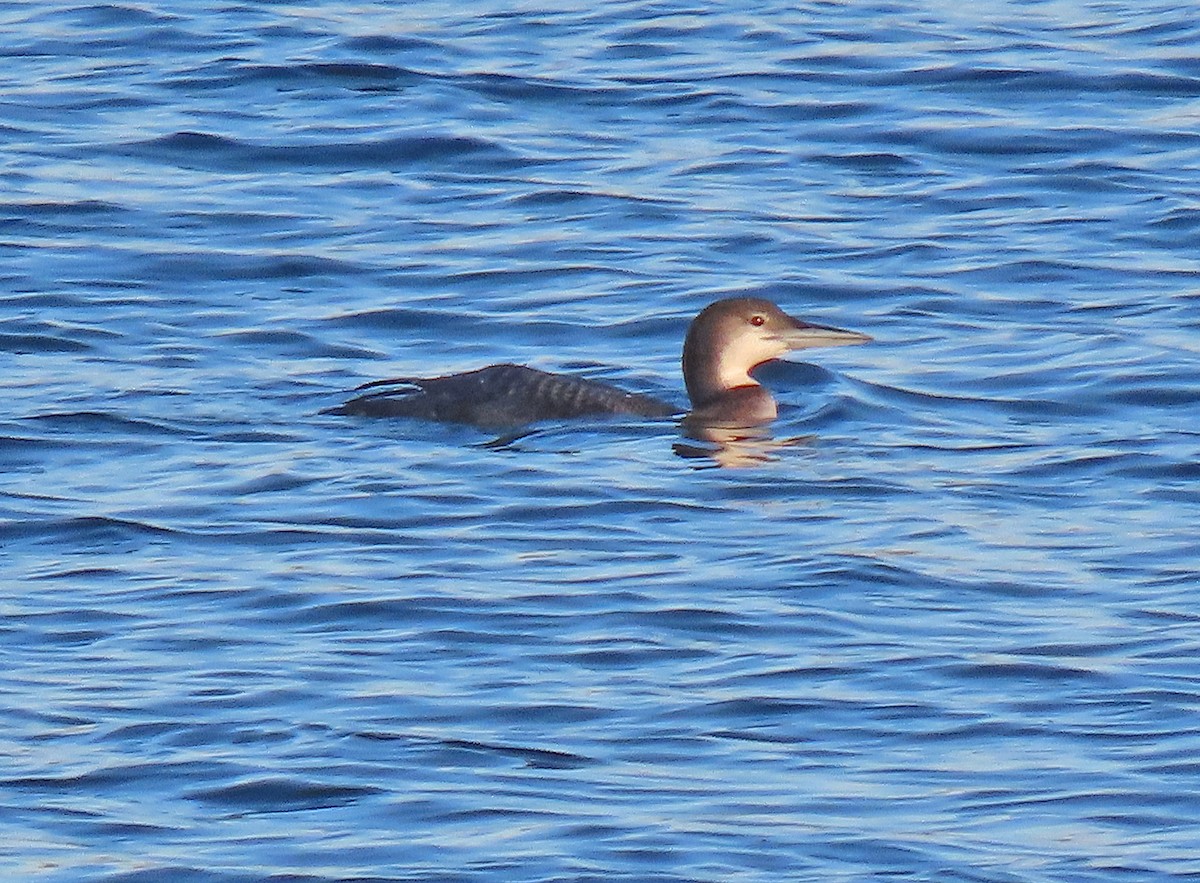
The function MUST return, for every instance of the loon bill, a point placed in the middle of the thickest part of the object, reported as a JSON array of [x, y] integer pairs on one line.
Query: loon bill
[[724, 343]]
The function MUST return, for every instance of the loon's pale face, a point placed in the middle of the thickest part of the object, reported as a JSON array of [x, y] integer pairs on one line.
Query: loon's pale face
[[743, 333]]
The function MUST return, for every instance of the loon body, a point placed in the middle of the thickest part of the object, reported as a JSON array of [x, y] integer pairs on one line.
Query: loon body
[[499, 396], [724, 343]]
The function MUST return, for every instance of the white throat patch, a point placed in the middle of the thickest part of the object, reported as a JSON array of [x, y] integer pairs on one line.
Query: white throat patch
[[743, 354]]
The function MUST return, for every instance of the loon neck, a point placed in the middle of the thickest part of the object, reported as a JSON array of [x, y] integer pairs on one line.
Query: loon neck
[[707, 379], [719, 384], [711, 367]]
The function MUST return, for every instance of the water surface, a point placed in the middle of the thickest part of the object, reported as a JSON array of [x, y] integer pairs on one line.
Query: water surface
[[940, 625]]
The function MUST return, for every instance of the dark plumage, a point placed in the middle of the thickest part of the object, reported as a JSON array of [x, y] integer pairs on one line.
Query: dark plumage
[[499, 396]]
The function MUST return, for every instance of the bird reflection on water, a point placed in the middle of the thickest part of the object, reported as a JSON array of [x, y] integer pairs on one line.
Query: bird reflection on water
[[733, 447]]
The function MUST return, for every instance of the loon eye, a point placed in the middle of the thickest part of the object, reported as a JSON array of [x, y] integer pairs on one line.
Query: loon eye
[[757, 321]]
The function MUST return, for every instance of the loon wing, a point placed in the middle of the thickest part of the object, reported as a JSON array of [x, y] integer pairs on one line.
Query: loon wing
[[498, 396]]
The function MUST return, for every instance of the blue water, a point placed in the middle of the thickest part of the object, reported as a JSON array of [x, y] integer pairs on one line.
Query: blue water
[[941, 623]]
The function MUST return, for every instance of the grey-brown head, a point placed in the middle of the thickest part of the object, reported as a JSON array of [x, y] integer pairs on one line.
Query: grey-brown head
[[732, 337]]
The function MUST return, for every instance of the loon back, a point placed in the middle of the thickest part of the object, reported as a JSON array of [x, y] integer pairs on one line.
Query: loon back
[[498, 397]]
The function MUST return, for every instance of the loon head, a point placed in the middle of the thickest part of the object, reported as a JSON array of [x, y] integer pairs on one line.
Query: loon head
[[732, 337]]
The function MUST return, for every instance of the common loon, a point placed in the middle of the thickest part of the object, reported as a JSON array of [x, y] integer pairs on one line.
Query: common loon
[[724, 343]]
